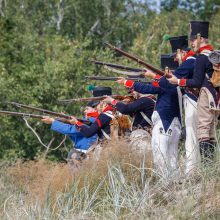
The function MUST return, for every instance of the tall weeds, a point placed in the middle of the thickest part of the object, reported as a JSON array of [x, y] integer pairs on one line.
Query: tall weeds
[[119, 186]]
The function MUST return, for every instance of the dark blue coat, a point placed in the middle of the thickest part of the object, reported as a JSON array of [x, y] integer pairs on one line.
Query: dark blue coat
[[167, 104], [102, 122], [143, 104], [203, 70], [202, 66], [80, 141], [185, 70]]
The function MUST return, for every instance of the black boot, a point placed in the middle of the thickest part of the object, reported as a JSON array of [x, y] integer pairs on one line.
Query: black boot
[[207, 150]]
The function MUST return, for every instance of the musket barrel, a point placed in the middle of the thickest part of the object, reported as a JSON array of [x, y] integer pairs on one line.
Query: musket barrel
[[20, 114], [110, 78], [40, 110], [98, 98], [59, 115], [138, 60], [114, 78], [117, 66], [82, 99]]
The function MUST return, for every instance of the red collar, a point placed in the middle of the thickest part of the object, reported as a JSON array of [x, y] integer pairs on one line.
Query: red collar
[[108, 108], [189, 54], [207, 47], [92, 114]]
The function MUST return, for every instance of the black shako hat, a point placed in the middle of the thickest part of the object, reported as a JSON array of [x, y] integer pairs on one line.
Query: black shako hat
[[167, 60], [199, 27], [99, 91], [180, 42]]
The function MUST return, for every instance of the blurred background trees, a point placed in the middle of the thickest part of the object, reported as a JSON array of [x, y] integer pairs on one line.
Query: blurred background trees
[[45, 47]]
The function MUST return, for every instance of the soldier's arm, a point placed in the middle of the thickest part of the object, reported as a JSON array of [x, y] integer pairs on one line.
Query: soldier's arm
[[88, 131], [133, 107], [198, 75], [63, 128], [185, 70], [142, 87]]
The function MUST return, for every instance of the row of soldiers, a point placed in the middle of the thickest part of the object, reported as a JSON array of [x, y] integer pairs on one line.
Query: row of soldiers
[[193, 86]]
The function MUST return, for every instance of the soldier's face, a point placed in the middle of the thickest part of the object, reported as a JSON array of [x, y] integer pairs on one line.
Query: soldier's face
[[194, 44], [179, 56]]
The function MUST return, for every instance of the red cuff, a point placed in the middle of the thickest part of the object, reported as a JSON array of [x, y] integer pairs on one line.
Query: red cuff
[[182, 82], [114, 102], [155, 84], [129, 83], [78, 123], [156, 80], [157, 77]]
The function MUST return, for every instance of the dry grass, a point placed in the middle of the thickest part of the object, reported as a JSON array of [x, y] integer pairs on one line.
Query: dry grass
[[118, 186], [37, 178]]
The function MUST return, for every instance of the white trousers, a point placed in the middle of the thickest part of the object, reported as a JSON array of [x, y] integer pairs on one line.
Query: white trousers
[[165, 145], [191, 144]]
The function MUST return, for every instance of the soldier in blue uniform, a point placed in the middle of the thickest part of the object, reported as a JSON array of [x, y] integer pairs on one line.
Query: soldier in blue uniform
[[166, 120], [81, 143], [186, 59], [84, 140], [208, 97], [101, 126], [141, 109]]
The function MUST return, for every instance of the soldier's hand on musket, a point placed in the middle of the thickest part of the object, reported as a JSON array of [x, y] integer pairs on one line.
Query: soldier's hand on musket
[[149, 74], [47, 120], [173, 80], [73, 120], [121, 80], [108, 100]]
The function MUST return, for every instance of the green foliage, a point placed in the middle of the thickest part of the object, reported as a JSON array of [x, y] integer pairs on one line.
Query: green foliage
[[149, 45], [49, 69], [105, 20], [203, 10]]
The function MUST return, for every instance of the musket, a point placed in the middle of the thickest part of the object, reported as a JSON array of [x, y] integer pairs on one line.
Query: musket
[[118, 66], [104, 78], [21, 114], [28, 115], [115, 78], [138, 60], [98, 98], [61, 116]]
